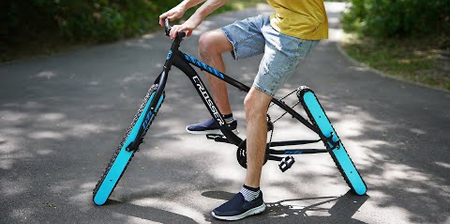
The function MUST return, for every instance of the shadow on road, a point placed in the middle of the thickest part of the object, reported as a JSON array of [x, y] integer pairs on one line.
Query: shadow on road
[[146, 213], [303, 210]]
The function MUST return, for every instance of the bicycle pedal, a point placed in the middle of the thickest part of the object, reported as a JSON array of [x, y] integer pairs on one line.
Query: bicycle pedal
[[217, 137], [214, 136], [286, 163]]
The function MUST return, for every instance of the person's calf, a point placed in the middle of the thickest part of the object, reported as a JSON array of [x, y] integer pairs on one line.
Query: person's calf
[[256, 103]]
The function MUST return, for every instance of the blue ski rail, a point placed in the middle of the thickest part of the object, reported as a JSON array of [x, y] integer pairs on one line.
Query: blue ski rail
[[342, 159], [121, 161]]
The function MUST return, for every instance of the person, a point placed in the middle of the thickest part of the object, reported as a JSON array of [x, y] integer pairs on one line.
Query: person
[[284, 38]]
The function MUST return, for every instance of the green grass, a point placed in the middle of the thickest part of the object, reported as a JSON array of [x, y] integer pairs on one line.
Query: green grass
[[411, 59]]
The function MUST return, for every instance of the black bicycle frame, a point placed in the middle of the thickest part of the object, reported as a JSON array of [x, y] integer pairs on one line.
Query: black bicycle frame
[[183, 62]]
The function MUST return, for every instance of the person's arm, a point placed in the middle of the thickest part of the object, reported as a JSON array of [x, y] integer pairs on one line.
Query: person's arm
[[207, 8], [178, 11]]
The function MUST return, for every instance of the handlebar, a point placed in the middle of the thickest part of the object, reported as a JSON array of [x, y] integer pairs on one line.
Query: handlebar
[[167, 28]]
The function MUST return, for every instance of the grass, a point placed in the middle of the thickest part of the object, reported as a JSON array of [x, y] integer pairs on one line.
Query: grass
[[411, 59]]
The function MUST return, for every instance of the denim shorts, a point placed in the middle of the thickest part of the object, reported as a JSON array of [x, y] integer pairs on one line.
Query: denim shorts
[[282, 53]]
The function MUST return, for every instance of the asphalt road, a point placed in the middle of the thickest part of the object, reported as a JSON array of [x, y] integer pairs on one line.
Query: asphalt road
[[62, 116]]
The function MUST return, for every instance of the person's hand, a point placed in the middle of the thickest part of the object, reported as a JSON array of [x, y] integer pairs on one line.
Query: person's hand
[[175, 13], [187, 26]]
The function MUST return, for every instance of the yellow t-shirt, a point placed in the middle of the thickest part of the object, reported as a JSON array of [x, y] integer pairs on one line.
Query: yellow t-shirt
[[305, 19]]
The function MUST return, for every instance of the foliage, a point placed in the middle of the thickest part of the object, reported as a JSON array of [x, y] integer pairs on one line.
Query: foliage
[[95, 20], [34, 21], [398, 18], [30, 27]]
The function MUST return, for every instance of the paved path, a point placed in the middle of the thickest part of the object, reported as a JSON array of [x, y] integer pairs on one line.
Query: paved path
[[62, 116]]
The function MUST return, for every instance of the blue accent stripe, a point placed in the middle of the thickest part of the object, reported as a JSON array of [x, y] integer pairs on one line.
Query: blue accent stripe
[[293, 152], [169, 55], [122, 159], [341, 155], [204, 66]]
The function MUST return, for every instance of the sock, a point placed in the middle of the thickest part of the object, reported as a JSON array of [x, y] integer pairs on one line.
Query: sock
[[229, 118], [250, 193]]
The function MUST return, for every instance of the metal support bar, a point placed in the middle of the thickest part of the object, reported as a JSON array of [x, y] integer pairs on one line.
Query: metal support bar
[[296, 151], [293, 142]]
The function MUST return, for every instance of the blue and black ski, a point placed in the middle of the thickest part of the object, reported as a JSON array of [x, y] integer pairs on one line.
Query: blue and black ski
[[123, 154], [332, 141]]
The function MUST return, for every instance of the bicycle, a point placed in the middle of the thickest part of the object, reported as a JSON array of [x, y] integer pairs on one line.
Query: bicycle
[[318, 123]]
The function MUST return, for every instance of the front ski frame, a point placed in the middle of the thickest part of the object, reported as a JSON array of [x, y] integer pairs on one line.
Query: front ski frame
[[124, 155]]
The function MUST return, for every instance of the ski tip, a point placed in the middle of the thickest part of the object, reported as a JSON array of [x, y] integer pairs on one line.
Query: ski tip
[[98, 201], [361, 191]]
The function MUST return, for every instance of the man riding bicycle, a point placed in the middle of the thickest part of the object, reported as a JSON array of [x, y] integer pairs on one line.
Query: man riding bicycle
[[285, 38]]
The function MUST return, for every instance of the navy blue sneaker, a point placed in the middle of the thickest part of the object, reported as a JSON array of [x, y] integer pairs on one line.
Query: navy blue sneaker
[[209, 127], [238, 208]]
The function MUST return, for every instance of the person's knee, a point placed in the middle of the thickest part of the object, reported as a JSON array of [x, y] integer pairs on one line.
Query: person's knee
[[256, 103], [212, 43], [206, 45], [254, 106], [249, 102]]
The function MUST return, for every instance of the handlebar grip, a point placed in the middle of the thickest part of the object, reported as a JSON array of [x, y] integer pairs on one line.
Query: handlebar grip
[[167, 28]]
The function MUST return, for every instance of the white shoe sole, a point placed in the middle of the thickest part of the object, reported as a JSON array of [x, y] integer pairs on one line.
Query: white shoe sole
[[250, 212]]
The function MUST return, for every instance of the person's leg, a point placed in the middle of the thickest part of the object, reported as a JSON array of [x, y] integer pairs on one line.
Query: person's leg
[[243, 39], [247, 40], [211, 46], [249, 201], [282, 55], [256, 104]]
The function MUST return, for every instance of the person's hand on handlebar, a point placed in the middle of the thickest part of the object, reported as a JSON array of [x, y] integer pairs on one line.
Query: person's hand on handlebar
[[187, 26], [175, 13], [194, 20]]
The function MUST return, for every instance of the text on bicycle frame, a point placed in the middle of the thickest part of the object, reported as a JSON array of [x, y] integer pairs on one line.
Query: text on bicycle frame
[[208, 100]]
